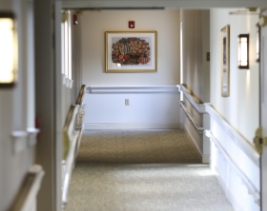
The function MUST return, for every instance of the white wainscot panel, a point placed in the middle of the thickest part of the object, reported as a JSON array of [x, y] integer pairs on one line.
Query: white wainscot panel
[[236, 161], [238, 156], [233, 185], [196, 121], [149, 108]]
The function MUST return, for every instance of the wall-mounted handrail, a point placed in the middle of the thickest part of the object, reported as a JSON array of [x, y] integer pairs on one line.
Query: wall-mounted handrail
[[199, 129], [245, 180], [246, 146], [200, 107], [72, 133], [81, 95], [26, 198], [133, 89]]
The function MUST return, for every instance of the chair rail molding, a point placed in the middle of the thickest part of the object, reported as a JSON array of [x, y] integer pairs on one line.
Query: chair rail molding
[[132, 89], [239, 140]]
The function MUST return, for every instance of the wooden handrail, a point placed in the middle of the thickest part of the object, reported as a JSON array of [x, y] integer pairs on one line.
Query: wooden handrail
[[26, 197]]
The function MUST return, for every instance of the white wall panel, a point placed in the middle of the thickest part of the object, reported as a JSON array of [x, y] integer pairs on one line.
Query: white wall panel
[[234, 119], [145, 110], [17, 109], [95, 23], [236, 162], [241, 108]]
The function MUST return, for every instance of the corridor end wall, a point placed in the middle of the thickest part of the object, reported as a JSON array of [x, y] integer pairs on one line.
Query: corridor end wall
[[145, 109]]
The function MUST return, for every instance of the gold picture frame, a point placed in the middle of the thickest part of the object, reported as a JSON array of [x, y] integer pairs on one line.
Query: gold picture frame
[[225, 61], [131, 51]]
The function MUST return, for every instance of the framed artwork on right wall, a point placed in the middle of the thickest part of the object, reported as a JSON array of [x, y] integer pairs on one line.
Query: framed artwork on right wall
[[225, 61]]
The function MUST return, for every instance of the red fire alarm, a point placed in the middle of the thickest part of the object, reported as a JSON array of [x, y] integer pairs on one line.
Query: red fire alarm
[[131, 24], [75, 19]]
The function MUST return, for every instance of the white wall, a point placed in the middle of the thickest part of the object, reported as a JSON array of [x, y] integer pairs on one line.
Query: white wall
[[146, 110], [95, 23], [195, 47], [17, 108], [149, 108], [241, 108], [234, 119], [196, 74]]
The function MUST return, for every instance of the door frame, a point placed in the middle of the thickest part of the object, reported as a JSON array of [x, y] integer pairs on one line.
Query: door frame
[[263, 113], [127, 4]]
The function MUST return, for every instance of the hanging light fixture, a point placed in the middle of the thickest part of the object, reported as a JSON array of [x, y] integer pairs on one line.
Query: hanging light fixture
[[243, 51], [8, 50]]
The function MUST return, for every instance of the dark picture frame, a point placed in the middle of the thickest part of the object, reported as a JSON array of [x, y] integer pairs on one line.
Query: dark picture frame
[[225, 61]]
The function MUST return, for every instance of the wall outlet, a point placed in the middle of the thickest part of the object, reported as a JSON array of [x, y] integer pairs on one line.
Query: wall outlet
[[127, 102]]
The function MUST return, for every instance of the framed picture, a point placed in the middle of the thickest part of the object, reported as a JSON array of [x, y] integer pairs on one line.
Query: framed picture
[[225, 61], [131, 51]]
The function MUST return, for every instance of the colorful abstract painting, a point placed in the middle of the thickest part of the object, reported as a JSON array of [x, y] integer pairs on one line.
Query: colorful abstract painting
[[131, 51]]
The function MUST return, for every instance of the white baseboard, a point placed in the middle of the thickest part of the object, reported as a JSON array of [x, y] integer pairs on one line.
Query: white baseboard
[[103, 126], [205, 158]]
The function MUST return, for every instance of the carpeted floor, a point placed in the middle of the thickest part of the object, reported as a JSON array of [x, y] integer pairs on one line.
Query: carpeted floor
[[142, 170]]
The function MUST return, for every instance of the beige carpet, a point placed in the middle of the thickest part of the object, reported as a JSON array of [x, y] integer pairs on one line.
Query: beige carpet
[[142, 170]]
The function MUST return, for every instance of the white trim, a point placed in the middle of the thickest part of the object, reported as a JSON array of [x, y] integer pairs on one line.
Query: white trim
[[89, 126], [64, 79], [70, 83], [193, 4], [230, 196], [32, 136], [19, 141], [181, 59], [67, 82], [252, 190], [239, 140], [200, 107], [22, 139], [132, 89]]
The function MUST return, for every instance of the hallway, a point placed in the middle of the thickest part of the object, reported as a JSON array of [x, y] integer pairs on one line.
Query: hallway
[[142, 170]]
